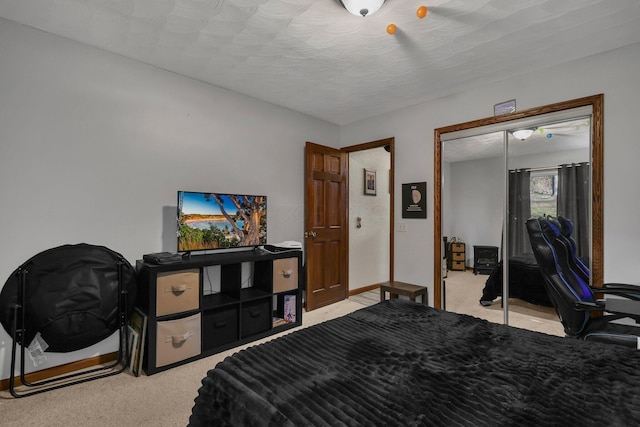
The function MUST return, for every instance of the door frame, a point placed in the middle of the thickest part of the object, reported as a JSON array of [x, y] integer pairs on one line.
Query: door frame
[[381, 143], [597, 184]]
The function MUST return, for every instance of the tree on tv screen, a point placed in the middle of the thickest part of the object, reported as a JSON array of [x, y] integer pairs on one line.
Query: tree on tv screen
[[251, 211]]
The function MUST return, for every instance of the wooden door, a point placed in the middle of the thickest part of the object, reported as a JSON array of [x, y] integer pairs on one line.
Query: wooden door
[[325, 225]]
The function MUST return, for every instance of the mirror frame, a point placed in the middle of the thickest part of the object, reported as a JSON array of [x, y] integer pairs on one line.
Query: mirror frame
[[597, 185]]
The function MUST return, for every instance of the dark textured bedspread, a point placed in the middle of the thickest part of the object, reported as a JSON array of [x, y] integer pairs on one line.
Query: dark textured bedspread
[[525, 282], [404, 364]]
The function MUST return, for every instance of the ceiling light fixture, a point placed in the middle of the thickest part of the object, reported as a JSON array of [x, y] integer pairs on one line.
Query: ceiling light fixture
[[523, 134], [362, 7]]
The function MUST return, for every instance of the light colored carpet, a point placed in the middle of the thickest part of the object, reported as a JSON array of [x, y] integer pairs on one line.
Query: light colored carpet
[[166, 398], [163, 399], [463, 292]]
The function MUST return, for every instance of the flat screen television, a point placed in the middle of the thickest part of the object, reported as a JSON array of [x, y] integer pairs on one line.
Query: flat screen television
[[220, 221]]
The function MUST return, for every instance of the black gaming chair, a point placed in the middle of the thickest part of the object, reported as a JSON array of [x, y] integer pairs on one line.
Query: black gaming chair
[[567, 283]]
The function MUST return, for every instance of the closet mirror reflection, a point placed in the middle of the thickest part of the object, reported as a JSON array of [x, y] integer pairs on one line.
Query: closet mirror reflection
[[489, 182]]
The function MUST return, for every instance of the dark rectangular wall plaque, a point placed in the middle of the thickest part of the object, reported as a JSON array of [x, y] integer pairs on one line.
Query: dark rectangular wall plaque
[[414, 200]]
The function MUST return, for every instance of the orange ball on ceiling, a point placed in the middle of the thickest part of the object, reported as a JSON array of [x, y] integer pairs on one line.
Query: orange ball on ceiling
[[421, 12], [391, 28]]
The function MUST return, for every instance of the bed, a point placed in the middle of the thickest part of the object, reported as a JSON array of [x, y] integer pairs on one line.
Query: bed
[[400, 363], [525, 282]]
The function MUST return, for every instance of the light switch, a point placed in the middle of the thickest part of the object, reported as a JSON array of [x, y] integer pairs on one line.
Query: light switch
[[402, 226]]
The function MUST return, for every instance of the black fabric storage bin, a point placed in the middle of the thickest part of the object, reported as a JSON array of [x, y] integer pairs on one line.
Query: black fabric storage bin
[[219, 326], [256, 317]]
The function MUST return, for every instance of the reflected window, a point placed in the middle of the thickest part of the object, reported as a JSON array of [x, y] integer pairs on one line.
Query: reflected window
[[544, 193]]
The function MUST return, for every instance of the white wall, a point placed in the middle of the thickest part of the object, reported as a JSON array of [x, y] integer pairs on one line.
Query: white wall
[[476, 190], [473, 200], [369, 244], [93, 148], [614, 73]]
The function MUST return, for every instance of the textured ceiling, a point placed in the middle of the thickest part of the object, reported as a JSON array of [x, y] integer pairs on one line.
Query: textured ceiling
[[314, 57]]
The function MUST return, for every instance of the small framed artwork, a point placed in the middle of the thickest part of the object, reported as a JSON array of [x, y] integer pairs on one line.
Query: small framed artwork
[[370, 183]]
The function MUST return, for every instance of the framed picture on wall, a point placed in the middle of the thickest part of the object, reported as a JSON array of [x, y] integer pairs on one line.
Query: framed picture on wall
[[370, 183]]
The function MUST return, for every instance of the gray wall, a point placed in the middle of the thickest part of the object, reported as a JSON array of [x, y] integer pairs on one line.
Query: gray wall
[[93, 148]]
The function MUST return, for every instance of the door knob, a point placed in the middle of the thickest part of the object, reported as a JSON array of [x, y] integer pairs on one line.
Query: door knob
[[311, 234]]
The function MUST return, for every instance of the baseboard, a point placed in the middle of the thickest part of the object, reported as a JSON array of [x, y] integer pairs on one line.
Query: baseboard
[[354, 292], [364, 289], [67, 368]]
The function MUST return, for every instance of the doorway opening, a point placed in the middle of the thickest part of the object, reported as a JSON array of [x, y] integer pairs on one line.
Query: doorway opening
[[370, 216]]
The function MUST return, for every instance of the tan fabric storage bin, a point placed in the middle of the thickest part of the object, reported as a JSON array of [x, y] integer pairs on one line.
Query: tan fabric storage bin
[[457, 247], [457, 256], [177, 291], [285, 274], [178, 340], [457, 265]]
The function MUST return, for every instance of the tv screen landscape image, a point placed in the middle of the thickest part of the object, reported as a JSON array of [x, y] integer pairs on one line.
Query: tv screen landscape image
[[220, 221]]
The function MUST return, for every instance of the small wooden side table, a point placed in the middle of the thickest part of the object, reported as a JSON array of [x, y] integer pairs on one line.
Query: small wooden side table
[[406, 289]]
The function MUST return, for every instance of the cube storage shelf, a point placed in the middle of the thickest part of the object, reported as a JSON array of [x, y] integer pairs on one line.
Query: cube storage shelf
[[210, 303]]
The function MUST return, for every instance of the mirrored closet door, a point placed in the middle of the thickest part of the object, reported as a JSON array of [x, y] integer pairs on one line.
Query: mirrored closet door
[[492, 178]]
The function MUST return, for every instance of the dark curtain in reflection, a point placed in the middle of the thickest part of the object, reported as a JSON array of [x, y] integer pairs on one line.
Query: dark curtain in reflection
[[519, 211], [573, 201]]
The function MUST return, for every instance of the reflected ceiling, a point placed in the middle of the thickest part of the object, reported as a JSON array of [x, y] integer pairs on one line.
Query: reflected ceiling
[[569, 135]]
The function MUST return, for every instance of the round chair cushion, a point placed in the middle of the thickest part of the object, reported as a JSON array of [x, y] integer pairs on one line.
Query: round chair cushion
[[71, 296]]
